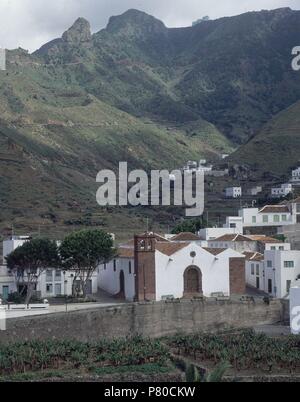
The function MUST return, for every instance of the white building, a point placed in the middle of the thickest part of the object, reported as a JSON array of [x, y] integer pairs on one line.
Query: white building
[[255, 270], [253, 191], [157, 270], [213, 233], [273, 272], [250, 243], [235, 223], [7, 283], [233, 192], [270, 215], [51, 283], [296, 176], [282, 268], [282, 191]]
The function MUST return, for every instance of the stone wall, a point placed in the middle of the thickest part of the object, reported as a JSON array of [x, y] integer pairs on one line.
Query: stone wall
[[148, 319]]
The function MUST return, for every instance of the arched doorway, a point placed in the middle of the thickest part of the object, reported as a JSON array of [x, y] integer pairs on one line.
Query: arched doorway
[[192, 282]]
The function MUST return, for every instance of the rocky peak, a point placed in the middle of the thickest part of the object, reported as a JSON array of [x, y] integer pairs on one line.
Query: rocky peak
[[79, 32], [135, 21]]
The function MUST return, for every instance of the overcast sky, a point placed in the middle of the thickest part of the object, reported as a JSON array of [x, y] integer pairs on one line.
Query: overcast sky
[[31, 23]]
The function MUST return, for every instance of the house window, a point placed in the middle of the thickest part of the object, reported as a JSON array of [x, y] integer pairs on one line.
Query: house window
[[281, 248], [233, 225], [105, 266], [288, 286], [273, 248], [269, 264], [115, 265], [284, 218], [253, 219], [265, 218], [276, 218], [49, 288], [289, 264], [257, 269], [252, 269], [130, 268], [49, 275], [58, 275]]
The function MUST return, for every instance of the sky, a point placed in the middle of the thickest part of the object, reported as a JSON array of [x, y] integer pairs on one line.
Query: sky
[[31, 23]]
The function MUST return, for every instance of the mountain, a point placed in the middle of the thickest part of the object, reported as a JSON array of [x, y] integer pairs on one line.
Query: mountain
[[231, 72], [135, 91], [276, 147]]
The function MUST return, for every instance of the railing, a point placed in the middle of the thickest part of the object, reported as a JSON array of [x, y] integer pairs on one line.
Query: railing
[[24, 307]]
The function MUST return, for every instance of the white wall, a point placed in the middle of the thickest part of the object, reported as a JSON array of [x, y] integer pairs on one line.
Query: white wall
[[109, 280], [170, 271], [65, 282], [235, 221], [251, 278], [278, 273], [214, 233], [10, 245], [248, 213], [6, 280], [239, 246]]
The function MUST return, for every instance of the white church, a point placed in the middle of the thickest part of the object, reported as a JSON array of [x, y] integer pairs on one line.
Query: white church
[[152, 268]]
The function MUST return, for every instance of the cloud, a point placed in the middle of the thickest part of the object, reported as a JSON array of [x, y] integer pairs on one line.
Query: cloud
[[31, 23]]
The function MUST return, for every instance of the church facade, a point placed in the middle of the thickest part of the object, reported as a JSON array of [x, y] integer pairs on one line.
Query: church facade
[[152, 268]]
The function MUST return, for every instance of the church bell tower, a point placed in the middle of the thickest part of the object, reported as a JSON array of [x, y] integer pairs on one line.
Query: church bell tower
[[144, 257]]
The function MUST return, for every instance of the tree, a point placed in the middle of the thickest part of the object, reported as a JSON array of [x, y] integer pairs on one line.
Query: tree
[[82, 252], [30, 260], [190, 225]]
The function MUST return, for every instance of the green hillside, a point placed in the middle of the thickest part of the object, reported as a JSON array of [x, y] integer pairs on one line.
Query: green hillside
[[139, 92], [276, 147]]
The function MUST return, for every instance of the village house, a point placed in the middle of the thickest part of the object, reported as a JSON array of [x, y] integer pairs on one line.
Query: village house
[[282, 191], [255, 275], [273, 272], [51, 282], [282, 269], [153, 268], [242, 243], [269, 215], [295, 176], [233, 192], [254, 191]]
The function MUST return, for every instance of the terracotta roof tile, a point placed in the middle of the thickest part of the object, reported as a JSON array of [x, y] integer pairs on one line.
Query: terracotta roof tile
[[170, 248], [125, 252], [185, 236], [231, 237], [274, 209], [264, 239], [214, 251], [253, 256]]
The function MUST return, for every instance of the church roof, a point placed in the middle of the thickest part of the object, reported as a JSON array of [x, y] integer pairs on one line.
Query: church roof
[[125, 252], [170, 248], [214, 251]]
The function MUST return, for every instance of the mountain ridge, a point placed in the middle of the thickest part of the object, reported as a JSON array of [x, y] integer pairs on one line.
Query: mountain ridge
[[138, 91]]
